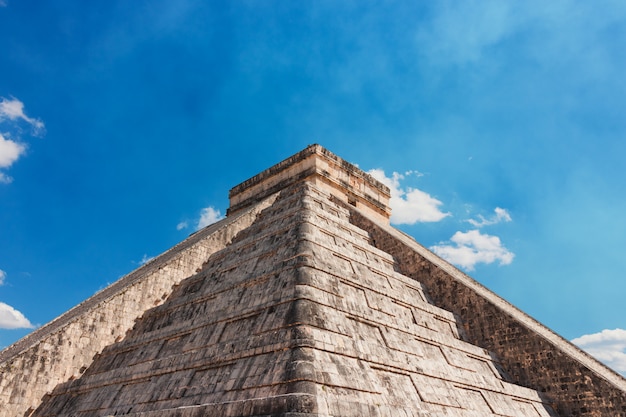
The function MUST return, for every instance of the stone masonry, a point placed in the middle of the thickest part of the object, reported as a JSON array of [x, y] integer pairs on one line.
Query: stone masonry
[[303, 302], [300, 314], [65, 347], [531, 354]]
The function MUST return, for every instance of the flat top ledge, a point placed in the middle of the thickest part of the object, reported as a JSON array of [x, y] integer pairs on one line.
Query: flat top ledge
[[315, 163]]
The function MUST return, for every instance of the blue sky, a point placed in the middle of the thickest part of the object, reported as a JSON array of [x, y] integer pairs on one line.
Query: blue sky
[[499, 125]]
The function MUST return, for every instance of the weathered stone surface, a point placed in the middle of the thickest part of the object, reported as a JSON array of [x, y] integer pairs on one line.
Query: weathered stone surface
[[327, 171], [531, 354], [301, 309], [65, 347], [305, 302]]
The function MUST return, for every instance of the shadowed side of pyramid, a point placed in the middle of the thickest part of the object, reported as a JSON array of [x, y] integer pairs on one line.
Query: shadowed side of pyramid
[[300, 315], [532, 355], [63, 348], [224, 343]]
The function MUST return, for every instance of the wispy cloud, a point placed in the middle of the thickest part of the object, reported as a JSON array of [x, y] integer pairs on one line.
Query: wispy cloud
[[500, 215], [466, 249], [3, 276], [409, 205], [460, 33], [608, 346], [463, 33], [13, 109], [11, 149], [10, 318], [182, 225], [145, 259]]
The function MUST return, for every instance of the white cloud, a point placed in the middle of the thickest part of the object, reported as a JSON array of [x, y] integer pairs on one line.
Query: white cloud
[[14, 110], [414, 172], [410, 205], [11, 150], [466, 249], [10, 318], [608, 346], [208, 215], [145, 259], [501, 215]]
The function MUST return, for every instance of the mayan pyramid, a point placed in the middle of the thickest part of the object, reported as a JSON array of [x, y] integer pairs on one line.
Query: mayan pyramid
[[302, 302]]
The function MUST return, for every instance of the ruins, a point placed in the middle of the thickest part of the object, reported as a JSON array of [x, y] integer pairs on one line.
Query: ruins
[[302, 302]]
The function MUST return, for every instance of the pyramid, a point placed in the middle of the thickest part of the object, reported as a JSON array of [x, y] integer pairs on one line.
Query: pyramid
[[303, 302]]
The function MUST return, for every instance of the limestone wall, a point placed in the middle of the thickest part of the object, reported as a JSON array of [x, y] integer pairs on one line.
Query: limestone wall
[[316, 164], [530, 353], [298, 316], [64, 348]]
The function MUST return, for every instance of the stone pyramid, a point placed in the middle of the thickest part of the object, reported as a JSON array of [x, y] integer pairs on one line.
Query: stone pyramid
[[302, 302]]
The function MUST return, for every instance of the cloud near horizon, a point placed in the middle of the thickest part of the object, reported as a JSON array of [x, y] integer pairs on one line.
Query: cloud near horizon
[[608, 346], [10, 318], [466, 249], [410, 205], [208, 215]]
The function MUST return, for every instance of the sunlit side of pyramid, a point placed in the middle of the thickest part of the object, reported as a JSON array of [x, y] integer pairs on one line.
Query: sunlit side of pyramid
[[305, 302]]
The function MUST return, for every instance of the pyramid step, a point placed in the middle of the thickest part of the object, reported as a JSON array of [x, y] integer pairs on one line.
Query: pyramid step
[[301, 315]]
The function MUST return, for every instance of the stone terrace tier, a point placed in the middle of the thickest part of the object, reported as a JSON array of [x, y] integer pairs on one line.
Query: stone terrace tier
[[317, 165], [299, 316], [303, 302]]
